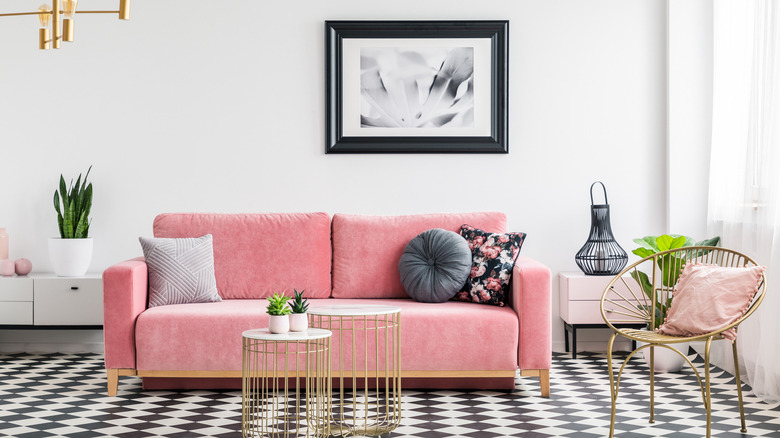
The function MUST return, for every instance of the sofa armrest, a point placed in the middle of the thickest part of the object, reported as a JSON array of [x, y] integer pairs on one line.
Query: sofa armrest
[[124, 298], [531, 299]]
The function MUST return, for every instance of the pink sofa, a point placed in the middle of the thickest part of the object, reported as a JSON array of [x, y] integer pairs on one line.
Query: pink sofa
[[349, 259]]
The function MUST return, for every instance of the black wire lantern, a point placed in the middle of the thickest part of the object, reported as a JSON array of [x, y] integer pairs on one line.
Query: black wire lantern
[[600, 255]]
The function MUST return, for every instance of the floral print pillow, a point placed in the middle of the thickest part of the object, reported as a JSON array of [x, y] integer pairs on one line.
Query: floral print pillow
[[493, 258]]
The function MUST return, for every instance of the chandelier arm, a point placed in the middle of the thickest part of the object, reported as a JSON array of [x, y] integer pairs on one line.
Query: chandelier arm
[[22, 13]]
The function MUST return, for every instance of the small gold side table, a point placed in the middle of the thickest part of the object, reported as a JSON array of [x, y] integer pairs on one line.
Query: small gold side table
[[272, 364], [367, 359]]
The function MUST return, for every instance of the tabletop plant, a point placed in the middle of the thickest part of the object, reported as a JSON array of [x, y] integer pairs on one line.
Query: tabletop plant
[[299, 304], [671, 266], [73, 205], [277, 305]]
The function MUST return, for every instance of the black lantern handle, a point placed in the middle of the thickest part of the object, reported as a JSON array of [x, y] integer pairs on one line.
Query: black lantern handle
[[606, 202]]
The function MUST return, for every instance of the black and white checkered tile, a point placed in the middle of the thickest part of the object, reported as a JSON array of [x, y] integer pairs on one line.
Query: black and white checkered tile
[[64, 395]]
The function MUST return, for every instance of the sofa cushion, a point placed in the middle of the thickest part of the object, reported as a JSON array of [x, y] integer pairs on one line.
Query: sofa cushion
[[207, 336], [181, 271], [366, 249], [494, 256], [256, 255], [435, 265]]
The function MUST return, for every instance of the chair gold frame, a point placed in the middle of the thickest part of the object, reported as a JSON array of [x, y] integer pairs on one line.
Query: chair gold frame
[[624, 301]]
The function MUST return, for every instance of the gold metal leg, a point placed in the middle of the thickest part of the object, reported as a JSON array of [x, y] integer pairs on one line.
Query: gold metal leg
[[739, 386], [612, 385], [652, 384], [708, 396]]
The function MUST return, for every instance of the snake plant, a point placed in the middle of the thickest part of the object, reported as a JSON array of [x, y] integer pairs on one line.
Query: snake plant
[[277, 305], [299, 304], [73, 205]]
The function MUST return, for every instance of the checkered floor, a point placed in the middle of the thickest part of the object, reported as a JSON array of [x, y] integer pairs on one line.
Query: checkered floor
[[64, 395]]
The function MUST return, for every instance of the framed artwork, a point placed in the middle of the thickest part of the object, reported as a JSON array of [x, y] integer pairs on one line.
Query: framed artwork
[[416, 86]]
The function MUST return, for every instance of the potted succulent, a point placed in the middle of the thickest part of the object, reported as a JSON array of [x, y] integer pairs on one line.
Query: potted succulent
[[665, 360], [299, 321], [279, 311], [71, 253]]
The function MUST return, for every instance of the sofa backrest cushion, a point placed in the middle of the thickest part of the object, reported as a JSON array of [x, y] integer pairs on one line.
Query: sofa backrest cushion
[[366, 249], [256, 255]]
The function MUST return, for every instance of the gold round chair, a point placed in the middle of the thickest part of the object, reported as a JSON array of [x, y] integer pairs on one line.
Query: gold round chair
[[628, 299]]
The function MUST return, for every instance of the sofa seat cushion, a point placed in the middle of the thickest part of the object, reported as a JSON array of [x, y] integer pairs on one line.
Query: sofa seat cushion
[[434, 337], [366, 249], [256, 255]]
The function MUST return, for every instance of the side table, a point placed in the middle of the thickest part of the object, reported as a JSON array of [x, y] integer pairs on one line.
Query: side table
[[579, 300], [368, 356], [270, 363]]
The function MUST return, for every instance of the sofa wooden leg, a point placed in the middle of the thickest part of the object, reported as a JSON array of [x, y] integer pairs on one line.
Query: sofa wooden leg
[[112, 375], [113, 381], [544, 379], [544, 382]]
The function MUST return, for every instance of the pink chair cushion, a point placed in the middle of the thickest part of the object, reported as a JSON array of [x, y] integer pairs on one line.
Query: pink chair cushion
[[256, 255], [366, 249], [207, 336], [708, 298]]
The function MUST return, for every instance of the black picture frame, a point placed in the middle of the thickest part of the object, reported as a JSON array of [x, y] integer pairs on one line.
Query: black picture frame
[[496, 141]]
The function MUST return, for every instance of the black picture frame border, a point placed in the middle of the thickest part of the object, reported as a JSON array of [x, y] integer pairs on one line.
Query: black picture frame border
[[496, 30]]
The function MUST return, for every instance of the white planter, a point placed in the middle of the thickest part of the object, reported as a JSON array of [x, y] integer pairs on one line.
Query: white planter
[[279, 324], [665, 360], [70, 257], [299, 322]]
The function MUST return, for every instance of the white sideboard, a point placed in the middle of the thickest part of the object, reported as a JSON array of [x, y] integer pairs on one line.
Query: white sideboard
[[44, 300]]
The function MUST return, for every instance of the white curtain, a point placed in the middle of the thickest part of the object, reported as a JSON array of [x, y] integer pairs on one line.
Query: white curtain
[[744, 190]]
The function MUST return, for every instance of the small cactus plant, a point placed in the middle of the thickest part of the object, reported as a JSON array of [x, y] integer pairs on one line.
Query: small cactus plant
[[277, 305], [299, 304]]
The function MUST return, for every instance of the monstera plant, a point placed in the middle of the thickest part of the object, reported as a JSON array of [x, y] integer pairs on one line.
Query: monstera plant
[[670, 265]]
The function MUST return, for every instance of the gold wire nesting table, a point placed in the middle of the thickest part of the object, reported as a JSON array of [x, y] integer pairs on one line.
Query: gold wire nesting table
[[366, 367], [274, 365]]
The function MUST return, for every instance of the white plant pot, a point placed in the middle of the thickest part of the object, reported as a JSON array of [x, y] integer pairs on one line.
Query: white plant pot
[[665, 360], [299, 322], [70, 257], [279, 324]]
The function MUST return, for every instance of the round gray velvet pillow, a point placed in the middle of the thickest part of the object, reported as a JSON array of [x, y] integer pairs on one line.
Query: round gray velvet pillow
[[435, 265]]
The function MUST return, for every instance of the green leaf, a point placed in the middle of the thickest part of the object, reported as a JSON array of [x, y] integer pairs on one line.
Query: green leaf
[[648, 242], [664, 242], [678, 242], [57, 202], [63, 190], [643, 252], [644, 282], [81, 225], [709, 242], [68, 218]]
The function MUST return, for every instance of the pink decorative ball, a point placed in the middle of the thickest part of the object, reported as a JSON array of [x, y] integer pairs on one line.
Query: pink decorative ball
[[6, 267], [23, 266]]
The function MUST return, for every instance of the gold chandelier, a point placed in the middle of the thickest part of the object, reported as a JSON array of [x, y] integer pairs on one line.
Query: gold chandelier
[[57, 20]]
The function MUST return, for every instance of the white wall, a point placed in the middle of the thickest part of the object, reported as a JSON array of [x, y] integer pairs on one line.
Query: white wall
[[689, 47], [199, 106]]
